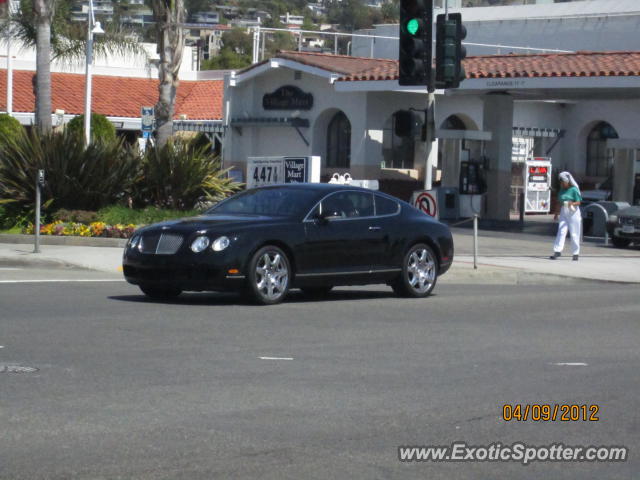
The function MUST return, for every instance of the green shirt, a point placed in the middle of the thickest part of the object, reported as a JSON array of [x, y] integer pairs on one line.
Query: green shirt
[[571, 194]]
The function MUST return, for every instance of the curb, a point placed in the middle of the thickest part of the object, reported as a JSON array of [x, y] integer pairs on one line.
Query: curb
[[39, 262], [490, 275], [68, 241]]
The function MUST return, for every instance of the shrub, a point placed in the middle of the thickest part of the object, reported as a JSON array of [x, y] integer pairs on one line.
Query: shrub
[[79, 216], [119, 214], [101, 128], [9, 127], [76, 178], [181, 176]]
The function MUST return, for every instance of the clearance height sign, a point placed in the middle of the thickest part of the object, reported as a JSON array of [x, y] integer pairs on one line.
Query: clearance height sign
[[263, 171]]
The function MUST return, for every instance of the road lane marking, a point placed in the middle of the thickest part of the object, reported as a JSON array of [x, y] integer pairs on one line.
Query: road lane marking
[[275, 358], [65, 280], [9, 269], [571, 364]]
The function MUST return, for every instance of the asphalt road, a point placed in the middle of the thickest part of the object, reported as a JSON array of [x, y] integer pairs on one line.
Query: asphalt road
[[131, 389]]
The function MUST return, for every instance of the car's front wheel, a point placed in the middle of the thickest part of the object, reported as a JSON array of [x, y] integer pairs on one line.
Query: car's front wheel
[[619, 242], [419, 273], [160, 293], [269, 275]]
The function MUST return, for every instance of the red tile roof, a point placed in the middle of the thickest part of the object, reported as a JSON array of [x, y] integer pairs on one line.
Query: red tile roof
[[114, 96], [580, 64]]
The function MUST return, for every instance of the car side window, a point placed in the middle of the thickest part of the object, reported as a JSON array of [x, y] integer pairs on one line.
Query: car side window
[[348, 204], [386, 206]]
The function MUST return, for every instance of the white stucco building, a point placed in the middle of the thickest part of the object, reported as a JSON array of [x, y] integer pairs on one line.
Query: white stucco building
[[573, 107]]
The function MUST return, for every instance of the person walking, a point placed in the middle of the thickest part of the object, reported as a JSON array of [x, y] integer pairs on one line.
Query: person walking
[[569, 200]]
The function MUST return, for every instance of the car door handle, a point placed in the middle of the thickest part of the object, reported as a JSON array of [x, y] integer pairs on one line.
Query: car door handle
[[375, 229]]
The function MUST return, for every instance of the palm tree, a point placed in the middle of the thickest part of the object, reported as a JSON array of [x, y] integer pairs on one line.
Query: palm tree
[[45, 25], [43, 13], [169, 16]]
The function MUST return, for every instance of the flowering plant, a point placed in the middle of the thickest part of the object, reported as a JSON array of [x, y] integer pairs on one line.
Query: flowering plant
[[94, 229]]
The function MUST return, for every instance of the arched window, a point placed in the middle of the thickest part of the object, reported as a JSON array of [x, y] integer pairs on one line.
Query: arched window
[[397, 152], [599, 157], [453, 122], [339, 141]]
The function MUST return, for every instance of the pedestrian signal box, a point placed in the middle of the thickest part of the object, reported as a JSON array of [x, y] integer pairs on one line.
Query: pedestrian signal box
[[537, 184]]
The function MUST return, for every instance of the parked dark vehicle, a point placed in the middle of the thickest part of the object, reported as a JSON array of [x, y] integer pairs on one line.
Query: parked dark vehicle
[[624, 227], [267, 240]]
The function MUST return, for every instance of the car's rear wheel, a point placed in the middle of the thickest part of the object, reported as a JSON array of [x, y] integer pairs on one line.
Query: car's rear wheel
[[269, 275], [419, 273], [160, 293], [316, 291]]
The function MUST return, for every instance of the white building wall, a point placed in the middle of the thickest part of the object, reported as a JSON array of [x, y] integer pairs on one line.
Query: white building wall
[[246, 101], [580, 118]]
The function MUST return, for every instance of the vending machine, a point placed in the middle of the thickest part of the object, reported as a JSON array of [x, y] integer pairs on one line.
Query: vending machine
[[537, 183]]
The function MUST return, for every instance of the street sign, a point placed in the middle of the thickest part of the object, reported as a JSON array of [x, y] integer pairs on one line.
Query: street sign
[[274, 170], [426, 203], [146, 134], [148, 118]]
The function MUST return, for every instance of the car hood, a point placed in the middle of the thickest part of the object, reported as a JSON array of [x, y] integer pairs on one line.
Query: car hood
[[597, 195], [211, 222], [629, 212]]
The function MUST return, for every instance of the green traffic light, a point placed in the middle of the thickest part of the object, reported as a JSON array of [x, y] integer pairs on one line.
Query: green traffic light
[[413, 26]]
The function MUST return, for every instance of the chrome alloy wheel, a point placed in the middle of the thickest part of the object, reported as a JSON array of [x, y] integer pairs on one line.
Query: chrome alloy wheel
[[421, 270], [272, 275]]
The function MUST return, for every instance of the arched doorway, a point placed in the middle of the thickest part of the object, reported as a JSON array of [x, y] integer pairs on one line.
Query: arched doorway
[[339, 141], [453, 148], [397, 152], [599, 157]]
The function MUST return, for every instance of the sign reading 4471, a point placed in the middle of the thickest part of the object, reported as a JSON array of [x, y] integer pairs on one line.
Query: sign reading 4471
[[264, 171]]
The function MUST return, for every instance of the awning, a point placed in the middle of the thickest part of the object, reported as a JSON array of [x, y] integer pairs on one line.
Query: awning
[[204, 126], [536, 132], [463, 135]]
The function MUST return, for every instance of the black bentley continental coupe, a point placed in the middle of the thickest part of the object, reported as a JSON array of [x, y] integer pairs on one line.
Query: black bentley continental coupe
[[267, 240]]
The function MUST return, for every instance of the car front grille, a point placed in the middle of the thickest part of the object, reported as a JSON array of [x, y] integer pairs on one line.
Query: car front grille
[[160, 244], [630, 221]]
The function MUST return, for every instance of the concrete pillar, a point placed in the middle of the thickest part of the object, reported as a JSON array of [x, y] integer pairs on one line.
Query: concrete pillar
[[498, 119], [623, 175], [451, 162]]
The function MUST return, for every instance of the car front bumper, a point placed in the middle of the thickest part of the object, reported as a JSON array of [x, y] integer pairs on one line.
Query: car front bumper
[[207, 271]]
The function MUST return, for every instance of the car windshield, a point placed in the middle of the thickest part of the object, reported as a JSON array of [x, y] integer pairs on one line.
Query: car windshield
[[268, 201]]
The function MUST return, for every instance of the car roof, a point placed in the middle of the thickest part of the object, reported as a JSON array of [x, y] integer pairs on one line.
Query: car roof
[[319, 187]]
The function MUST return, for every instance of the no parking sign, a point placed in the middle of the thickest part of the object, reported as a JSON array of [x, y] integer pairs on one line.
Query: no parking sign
[[426, 202]]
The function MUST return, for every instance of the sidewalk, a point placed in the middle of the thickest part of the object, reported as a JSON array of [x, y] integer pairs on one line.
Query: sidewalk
[[511, 258]]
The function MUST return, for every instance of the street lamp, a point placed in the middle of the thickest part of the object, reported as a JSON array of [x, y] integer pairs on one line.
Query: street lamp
[[93, 28]]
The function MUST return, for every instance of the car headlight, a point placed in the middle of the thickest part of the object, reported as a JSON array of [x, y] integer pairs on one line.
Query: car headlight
[[200, 244], [613, 218], [220, 243], [133, 242]]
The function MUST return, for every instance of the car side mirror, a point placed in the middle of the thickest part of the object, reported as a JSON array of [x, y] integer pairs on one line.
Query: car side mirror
[[328, 216]]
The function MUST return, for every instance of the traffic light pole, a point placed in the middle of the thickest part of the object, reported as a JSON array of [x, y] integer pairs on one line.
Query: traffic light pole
[[432, 153]]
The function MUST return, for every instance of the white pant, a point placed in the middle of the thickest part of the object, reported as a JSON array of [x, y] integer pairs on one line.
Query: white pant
[[571, 221]]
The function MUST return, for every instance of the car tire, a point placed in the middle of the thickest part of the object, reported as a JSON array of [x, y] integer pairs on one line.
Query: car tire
[[619, 242], [269, 276], [419, 273], [316, 291], [160, 293]]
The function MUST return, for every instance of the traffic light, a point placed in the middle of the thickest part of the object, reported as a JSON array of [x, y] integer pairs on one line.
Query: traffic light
[[449, 50], [416, 23], [408, 123]]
